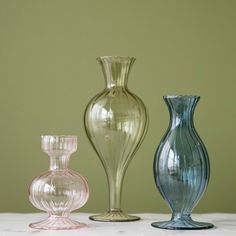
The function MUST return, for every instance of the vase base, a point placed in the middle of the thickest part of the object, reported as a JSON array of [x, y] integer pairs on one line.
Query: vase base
[[114, 216], [57, 223], [182, 224]]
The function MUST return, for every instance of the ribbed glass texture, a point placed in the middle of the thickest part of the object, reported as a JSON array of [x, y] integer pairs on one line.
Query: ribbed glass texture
[[59, 190], [181, 165], [115, 122]]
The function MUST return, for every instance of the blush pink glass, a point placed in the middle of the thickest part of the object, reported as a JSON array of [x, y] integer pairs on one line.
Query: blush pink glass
[[60, 190]]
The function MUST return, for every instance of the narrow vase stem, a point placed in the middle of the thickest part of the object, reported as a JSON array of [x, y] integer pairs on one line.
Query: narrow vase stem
[[180, 216], [59, 215], [115, 188]]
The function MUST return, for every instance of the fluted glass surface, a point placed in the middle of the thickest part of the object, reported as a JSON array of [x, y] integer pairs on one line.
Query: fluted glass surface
[[181, 165], [59, 190], [115, 122]]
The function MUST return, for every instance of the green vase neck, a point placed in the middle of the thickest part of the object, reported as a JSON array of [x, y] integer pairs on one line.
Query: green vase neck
[[116, 70]]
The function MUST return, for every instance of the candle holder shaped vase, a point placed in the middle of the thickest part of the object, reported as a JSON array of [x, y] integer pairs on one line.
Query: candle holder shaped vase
[[59, 190], [181, 165], [115, 122]]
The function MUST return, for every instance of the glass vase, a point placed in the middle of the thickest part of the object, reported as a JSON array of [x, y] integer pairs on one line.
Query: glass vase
[[59, 190], [115, 123], [181, 165]]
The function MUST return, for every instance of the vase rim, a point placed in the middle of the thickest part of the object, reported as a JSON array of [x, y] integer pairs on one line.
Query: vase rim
[[116, 59], [59, 136], [181, 96]]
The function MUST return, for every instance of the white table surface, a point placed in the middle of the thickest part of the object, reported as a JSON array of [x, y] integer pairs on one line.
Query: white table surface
[[17, 224]]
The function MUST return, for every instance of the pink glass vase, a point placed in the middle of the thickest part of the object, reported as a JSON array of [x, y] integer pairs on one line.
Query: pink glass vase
[[60, 190]]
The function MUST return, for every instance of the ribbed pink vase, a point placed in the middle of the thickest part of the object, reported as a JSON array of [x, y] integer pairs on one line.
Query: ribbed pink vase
[[60, 190]]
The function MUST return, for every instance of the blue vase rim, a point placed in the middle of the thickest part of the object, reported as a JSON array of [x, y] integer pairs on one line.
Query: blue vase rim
[[181, 96]]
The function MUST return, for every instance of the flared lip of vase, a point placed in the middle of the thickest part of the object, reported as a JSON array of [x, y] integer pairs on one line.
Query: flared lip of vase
[[181, 96], [60, 136], [116, 59], [52, 143]]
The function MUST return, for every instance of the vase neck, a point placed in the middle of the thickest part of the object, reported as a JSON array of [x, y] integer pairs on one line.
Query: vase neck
[[59, 148], [181, 109], [59, 162], [116, 70]]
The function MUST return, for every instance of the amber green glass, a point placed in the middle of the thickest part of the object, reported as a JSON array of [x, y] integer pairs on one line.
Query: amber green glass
[[116, 122]]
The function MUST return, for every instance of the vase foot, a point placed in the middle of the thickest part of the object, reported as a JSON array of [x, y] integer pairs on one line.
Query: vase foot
[[184, 224], [57, 223], [114, 216]]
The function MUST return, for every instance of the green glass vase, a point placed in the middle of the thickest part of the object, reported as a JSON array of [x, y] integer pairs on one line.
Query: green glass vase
[[116, 121]]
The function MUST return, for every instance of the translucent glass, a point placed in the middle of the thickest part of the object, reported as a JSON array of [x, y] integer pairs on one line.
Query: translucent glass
[[181, 165], [115, 122], [59, 190]]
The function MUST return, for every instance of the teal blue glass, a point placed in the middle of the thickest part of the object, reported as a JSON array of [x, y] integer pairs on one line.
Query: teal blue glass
[[181, 165]]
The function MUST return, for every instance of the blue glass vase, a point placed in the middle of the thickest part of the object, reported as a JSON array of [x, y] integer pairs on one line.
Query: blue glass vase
[[181, 165]]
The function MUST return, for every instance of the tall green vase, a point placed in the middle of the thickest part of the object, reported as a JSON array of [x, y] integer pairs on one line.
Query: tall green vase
[[116, 121]]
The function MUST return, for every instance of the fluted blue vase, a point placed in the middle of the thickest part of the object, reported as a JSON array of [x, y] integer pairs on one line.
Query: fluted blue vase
[[181, 165]]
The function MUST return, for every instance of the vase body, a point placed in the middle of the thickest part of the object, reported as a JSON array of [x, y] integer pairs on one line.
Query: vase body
[[181, 165], [116, 123], [59, 190]]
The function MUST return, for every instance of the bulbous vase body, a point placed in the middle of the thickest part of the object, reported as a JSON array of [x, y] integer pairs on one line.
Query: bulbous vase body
[[115, 122], [181, 165], [59, 190]]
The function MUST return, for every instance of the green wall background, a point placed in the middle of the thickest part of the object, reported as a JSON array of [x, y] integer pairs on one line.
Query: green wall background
[[48, 73]]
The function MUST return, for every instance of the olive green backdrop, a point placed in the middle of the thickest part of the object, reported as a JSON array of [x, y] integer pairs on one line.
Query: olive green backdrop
[[48, 73]]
